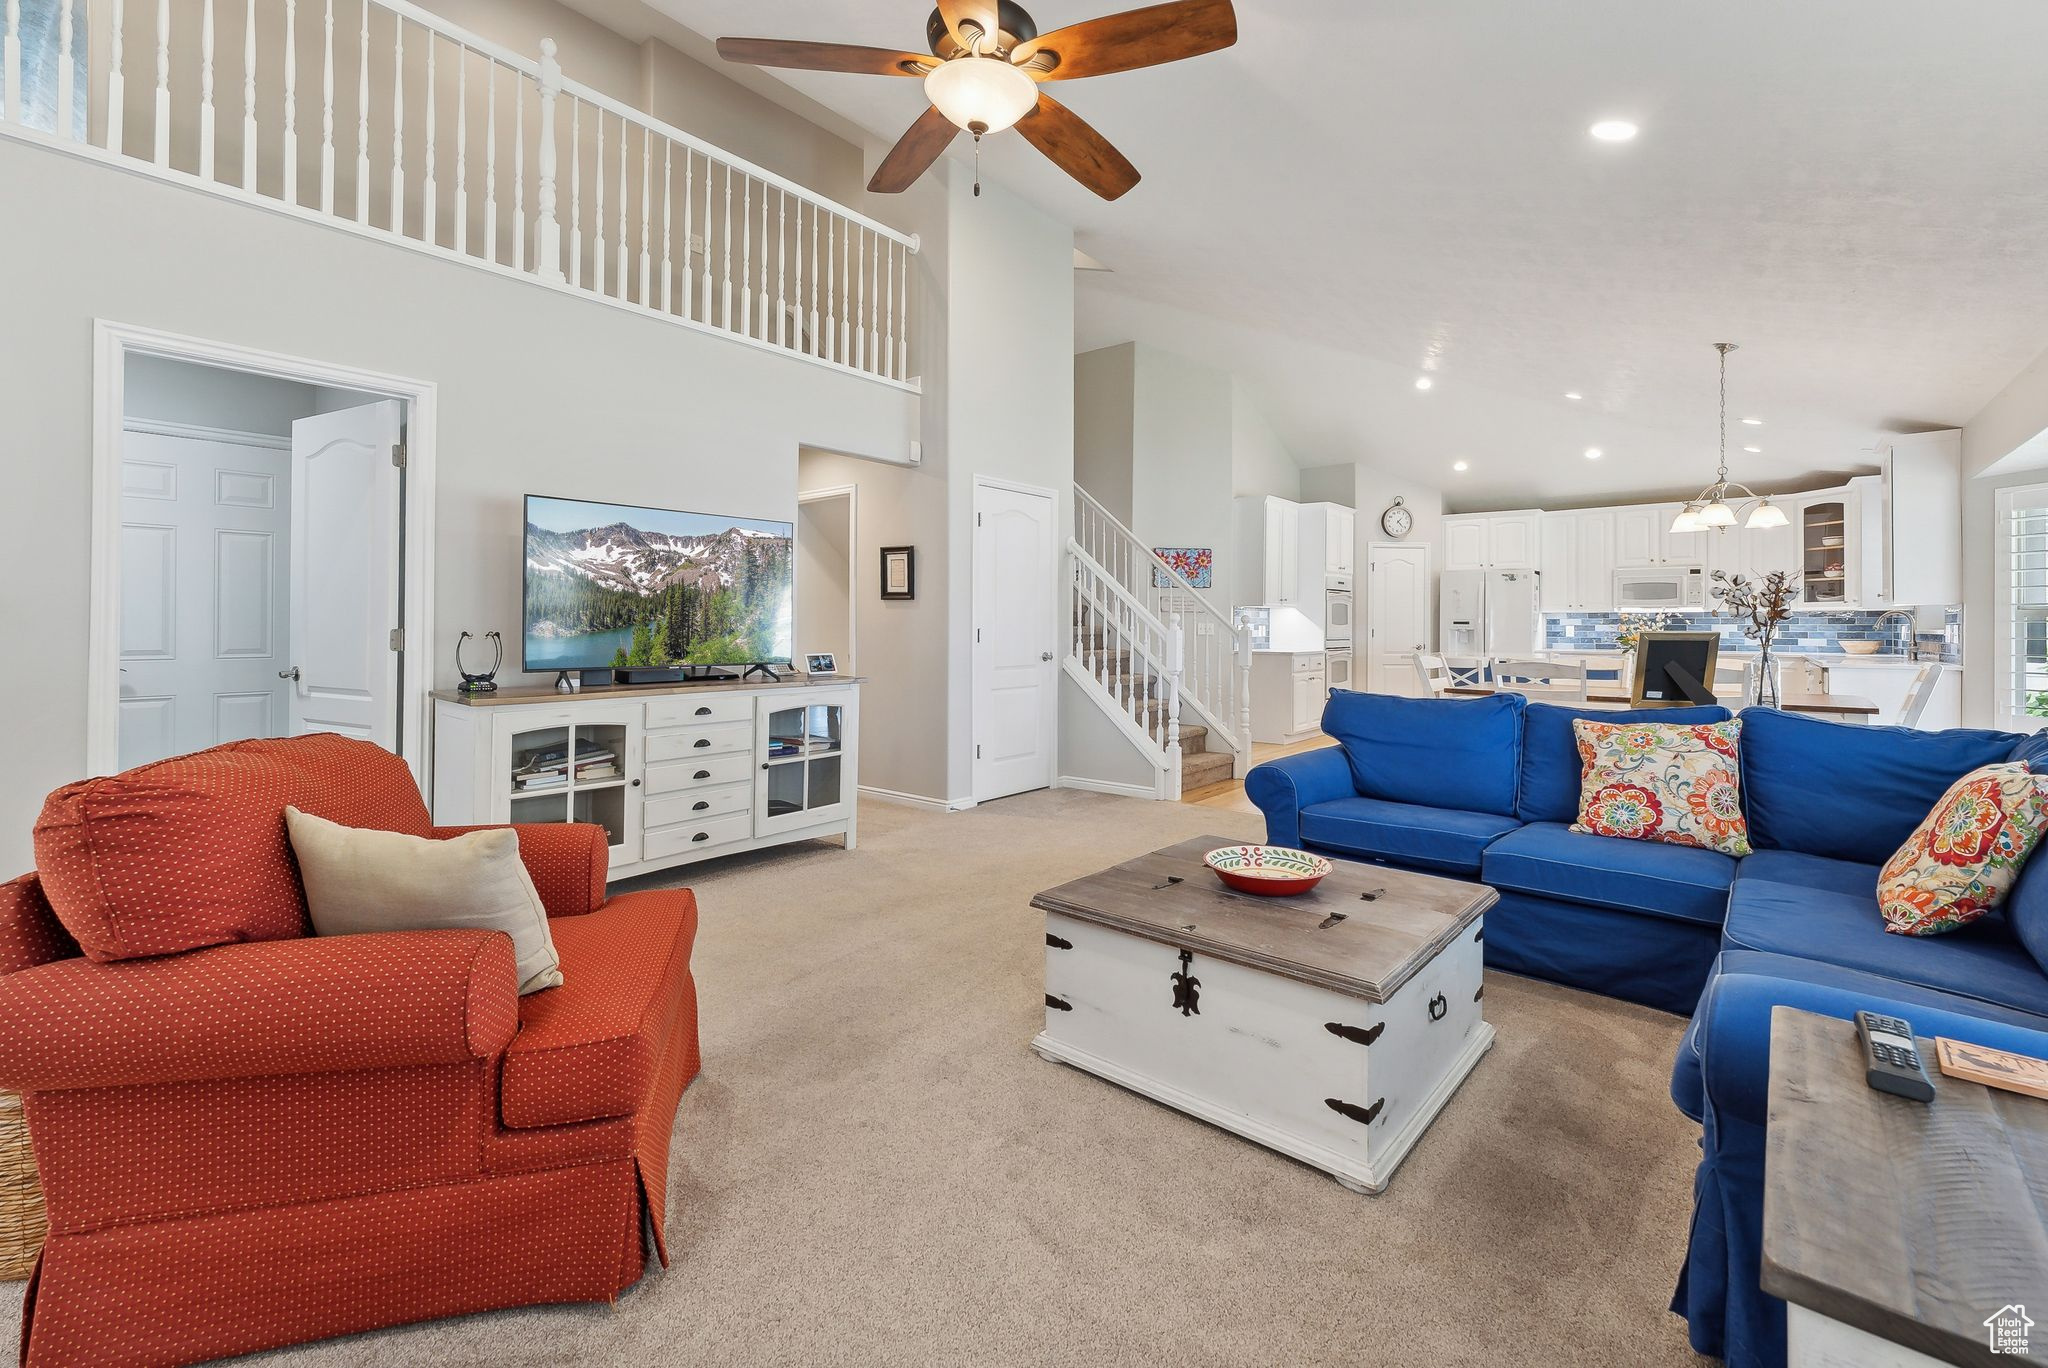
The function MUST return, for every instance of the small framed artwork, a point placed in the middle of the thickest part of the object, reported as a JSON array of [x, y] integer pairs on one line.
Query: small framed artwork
[[899, 572], [820, 663], [1195, 564]]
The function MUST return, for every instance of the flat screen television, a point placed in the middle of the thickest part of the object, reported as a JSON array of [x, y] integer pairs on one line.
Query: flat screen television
[[610, 586]]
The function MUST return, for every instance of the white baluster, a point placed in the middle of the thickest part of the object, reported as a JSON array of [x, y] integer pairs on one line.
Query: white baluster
[[430, 190], [763, 333], [576, 192], [462, 149], [398, 128], [903, 342], [799, 341], [491, 161], [817, 347], [248, 98], [668, 211], [619, 291], [781, 264], [846, 305], [205, 90], [326, 112], [646, 217], [117, 82], [689, 192], [707, 239], [363, 121], [889, 330], [860, 322], [65, 35], [597, 240], [725, 271], [518, 171], [10, 59], [290, 188], [746, 254], [831, 336], [547, 248], [875, 362]]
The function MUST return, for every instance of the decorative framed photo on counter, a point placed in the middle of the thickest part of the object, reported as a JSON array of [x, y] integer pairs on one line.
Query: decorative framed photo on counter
[[899, 572]]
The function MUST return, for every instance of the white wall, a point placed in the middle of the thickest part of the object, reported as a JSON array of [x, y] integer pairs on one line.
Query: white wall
[[2006, 444], [823, 608], [1104, 390], [1259, 461], [539, 390], [207, 396], [1370, 490]]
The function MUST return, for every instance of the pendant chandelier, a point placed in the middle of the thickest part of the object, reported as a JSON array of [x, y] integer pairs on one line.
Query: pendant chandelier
[[1712, 508]]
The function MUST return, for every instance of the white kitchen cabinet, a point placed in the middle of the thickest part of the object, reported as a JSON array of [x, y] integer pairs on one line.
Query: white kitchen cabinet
[[1638, 537], [1828, 532], [1289, 689], [1917, 534], [1328, 542], [1269, 548], [1494, 541], [1578, 561], [1680, 548], [1341, 540]]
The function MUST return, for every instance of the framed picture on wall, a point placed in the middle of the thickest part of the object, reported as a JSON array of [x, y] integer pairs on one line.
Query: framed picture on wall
[[899, 572], [1195, 564]]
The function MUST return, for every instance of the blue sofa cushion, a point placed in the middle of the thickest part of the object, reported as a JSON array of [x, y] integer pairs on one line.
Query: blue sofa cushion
[[1651, 877], [1282, 788], [1447, 839], [1826, 910], [1549, 790], [1847, 792], [1460, 753]]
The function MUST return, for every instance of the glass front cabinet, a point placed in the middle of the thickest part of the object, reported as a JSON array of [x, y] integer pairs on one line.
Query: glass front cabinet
[[803, 742], [574, 764]]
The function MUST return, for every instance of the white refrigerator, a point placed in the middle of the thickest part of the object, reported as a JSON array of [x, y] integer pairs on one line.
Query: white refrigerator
[[1490, 613]]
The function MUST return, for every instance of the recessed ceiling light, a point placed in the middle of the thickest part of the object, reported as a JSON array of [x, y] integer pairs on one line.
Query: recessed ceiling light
[[1613, 130], [1592, 453], [1752, 450], [1423, 382], [1573, 394], [1754, 422], [1461, 466]]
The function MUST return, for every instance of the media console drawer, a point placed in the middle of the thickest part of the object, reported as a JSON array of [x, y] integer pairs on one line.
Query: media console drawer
[[697, 805], [679, 775], [691, 712], [680, 840], [723, 739]]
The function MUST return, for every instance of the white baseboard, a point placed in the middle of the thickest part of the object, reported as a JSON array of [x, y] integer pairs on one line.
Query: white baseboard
[[916, 800], [1105, 786]]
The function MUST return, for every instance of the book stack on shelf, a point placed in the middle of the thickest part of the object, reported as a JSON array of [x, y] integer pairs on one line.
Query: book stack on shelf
[[549, 768], [784, 744]]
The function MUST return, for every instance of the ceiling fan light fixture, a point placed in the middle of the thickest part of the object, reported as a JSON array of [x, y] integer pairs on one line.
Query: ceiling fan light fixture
[[1767, 514], [981, 94]]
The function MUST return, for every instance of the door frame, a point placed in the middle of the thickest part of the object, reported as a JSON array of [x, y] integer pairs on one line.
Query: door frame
[[1052, 588], [1372, 656], [113, 343], [851, 493]]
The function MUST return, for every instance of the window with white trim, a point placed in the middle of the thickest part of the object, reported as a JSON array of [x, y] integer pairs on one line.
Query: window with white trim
[[2022, 643]]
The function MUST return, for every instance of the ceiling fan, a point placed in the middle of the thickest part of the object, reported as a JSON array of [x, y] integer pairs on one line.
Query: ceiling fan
[[982, 76]]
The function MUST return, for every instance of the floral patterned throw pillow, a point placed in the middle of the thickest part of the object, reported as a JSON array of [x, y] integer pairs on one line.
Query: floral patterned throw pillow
[[1659, 781], [1963, 859]]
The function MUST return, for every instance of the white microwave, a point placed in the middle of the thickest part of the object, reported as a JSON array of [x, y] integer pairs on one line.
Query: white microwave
[[1661, 588]]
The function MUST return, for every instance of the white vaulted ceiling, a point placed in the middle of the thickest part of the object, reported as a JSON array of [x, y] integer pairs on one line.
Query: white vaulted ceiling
[[1366, 191]]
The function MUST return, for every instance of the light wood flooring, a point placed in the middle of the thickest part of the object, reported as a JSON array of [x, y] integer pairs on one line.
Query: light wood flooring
[[1229, 795]]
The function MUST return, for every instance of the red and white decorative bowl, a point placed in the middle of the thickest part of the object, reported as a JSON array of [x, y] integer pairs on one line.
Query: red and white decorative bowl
[[1273, 871]]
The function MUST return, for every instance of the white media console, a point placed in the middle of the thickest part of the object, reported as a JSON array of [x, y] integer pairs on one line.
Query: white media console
[[673, 772]]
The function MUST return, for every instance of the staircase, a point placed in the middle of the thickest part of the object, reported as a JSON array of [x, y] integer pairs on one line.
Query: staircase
[[1169, 669]]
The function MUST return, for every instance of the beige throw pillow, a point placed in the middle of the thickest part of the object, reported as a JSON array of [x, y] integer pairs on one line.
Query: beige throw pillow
[[358, 881]]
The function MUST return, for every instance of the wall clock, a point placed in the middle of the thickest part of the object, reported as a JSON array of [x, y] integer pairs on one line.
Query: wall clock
[[1397, 521]]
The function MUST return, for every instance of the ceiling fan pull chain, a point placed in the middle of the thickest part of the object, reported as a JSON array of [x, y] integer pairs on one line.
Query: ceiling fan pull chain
[[977, 166]]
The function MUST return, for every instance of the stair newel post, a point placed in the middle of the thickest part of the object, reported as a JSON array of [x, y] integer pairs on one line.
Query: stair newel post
[[547, 242], [1176, 641], [1244, 694]]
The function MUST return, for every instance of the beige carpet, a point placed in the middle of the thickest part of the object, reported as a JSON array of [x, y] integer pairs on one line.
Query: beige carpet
[[875, 1169]]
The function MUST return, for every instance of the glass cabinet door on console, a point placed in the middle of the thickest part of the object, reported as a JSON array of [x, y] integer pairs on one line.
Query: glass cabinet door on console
[[578, 764], [803, 743]]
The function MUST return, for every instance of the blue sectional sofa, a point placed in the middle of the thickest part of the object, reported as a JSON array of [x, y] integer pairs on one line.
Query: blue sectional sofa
[[1485, 789]]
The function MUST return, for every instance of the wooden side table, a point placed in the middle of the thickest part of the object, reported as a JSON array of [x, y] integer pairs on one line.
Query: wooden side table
[[1901, 1234]]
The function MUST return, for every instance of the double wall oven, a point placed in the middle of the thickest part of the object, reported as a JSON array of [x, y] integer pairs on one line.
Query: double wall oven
[[1337, 613]]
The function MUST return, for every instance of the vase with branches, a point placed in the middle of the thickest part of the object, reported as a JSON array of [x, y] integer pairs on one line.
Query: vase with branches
[[1762, 604]]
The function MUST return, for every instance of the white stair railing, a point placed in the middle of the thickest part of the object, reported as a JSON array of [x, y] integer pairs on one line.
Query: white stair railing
[[1216, 678], [1129, 661], [434, 136]]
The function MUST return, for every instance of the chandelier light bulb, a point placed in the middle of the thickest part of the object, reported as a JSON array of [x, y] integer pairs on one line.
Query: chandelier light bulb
[[1767, 514], [1718, 514]]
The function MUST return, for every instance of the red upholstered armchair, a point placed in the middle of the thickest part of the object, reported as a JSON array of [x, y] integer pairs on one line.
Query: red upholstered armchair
[[250, 1136]]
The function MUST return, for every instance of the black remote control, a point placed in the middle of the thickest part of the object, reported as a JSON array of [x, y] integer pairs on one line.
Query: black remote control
[[1891, 1062]]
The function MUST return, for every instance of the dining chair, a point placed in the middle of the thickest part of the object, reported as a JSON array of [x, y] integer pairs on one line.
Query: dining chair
[[1466, 672], [1919, 694], [1435, 675], [1538, 677]]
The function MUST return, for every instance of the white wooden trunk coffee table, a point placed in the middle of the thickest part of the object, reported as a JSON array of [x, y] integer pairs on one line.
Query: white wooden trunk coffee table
[[1332, 1026]]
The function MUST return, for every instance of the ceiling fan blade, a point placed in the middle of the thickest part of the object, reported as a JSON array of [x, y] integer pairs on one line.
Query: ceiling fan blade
[[914, 153], [864, 61], [958, 14], [1125, 42], [1077, 149]]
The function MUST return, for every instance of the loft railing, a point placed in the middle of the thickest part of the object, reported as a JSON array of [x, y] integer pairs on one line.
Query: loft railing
[[1216, 673], [379, 115]]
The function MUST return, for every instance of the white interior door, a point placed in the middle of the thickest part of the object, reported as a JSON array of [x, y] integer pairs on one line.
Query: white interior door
[[346, 491], [1016, 640], [205, 602], [1397, 616]]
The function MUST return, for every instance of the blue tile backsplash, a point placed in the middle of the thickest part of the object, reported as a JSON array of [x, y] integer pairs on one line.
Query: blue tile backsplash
[[1801, 632]]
